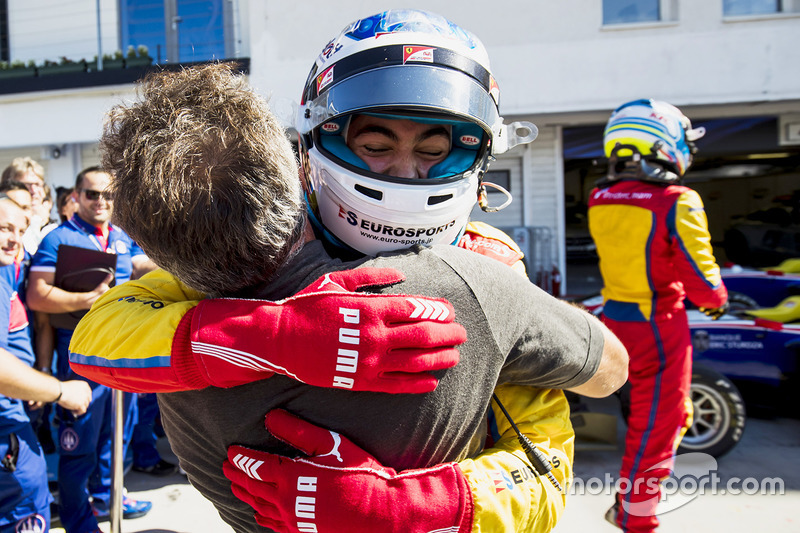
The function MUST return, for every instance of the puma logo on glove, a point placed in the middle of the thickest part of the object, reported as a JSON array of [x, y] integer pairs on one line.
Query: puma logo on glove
[[331, 334], [322, 491]]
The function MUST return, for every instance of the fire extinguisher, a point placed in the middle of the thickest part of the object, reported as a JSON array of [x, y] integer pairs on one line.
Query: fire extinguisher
[[555, 277]]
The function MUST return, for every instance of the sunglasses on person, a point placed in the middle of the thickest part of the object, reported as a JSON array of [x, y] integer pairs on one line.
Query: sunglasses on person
[[93, 195]]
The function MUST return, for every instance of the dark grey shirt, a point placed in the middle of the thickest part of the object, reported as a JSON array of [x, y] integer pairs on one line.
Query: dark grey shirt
[[516, 334]]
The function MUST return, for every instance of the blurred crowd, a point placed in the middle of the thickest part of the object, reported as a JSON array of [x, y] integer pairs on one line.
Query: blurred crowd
[[69, 419]]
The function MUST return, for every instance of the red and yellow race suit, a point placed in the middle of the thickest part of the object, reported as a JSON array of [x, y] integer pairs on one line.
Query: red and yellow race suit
[[655, 250], [150, 351]]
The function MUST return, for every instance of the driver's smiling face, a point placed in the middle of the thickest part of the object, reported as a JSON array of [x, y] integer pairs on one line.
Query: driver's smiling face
[[399, 148]]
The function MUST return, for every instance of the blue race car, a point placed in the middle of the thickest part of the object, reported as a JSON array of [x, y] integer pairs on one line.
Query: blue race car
[[750, 288], [751, 358]]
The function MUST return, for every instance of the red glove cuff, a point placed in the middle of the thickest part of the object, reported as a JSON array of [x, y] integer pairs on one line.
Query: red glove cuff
[[468, 500], [187, 367], [344, 484]]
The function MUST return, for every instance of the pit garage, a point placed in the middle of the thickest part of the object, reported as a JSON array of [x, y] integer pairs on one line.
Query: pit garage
[[747, 171]]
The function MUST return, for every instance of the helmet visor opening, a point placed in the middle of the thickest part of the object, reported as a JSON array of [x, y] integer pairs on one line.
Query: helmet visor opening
[[466, 148]]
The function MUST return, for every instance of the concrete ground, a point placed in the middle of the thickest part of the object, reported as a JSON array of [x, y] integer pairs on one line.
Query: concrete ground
[[768, 449], [177, 506], [769, 452]]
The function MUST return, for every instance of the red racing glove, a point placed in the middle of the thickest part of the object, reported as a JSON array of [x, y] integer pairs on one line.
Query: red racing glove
[[340, 487], [328, 335]]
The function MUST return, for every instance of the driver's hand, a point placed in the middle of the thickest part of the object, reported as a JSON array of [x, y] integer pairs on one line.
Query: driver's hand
[[716, 312]]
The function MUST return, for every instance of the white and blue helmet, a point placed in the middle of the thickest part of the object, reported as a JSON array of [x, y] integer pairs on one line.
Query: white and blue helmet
[[400, 64], [651, 131]]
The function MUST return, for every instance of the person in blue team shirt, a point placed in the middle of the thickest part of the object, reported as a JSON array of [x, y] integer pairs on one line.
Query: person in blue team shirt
[[19, 331], [84, 443], [24, 493], [20, 326]]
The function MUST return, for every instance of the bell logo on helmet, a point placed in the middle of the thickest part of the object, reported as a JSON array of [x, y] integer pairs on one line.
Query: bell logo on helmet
[[330, 127], [469, 140]]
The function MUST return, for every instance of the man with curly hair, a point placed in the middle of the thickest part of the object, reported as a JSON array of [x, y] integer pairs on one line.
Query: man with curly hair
[[211, 194]]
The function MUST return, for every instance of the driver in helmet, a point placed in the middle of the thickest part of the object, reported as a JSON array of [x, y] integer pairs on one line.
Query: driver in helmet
[[366, 190], [391, 169], [655, 250], [405, 149]]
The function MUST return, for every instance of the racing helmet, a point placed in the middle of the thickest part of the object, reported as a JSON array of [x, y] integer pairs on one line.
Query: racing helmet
[[649, 131], [400, 64]]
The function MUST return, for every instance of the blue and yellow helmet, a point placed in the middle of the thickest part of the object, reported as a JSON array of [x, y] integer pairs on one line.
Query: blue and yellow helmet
[[653, 131]]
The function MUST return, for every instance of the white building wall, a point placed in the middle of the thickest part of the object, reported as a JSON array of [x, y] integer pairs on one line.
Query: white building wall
[[549, 57], [41, 121], [557, 66], [555, 57], [541, 187], [544, 190], [511, 215], [724, 64]]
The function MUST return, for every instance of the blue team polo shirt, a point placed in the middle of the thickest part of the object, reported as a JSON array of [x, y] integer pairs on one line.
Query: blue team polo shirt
[[12, 411], [19, 329], [77, 232]]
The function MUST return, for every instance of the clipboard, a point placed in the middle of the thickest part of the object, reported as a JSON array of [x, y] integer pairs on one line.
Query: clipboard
[[80, 270]]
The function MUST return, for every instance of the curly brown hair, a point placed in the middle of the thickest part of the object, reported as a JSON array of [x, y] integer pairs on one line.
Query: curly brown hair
[[205, 179]]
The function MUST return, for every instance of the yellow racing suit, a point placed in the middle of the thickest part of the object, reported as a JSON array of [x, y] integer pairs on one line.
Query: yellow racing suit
[[655, 250]]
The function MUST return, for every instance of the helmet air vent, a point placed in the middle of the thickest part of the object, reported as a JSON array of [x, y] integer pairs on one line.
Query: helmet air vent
[[433, 200], [370, 193]]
